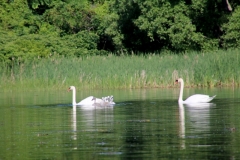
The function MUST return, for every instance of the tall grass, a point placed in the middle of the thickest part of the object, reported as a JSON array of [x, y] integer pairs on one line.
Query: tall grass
[[218, 68]]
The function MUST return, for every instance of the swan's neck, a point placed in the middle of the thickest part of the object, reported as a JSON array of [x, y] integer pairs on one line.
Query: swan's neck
[[74, 97], [180, 100]]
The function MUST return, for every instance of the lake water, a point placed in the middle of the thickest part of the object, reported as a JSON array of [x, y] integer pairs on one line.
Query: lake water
[[144, 124]]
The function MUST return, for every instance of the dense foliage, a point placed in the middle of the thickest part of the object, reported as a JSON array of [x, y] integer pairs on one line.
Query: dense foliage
[[41, 28]]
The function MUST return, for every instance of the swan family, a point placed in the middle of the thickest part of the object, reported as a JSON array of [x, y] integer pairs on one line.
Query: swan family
[[91, 101], [108, 101]]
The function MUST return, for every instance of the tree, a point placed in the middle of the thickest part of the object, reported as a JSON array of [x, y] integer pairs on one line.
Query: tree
[[17, 17], [154, 25], [169, 23], [231, 37]]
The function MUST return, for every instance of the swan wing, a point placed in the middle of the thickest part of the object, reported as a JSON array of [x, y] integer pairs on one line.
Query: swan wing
[[199, 98], [87, 101], [103, 102], [97, 101]]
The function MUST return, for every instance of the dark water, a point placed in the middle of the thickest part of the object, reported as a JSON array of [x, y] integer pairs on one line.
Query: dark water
[[144, 124]]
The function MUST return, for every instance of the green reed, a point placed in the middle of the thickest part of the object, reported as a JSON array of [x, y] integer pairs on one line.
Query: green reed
[[220, 68]]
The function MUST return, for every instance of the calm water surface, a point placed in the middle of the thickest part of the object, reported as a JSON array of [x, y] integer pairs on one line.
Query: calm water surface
[[144, 124]]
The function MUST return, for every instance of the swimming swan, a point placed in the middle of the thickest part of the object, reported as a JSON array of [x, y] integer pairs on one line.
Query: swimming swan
[[196, 98], [89, 101]]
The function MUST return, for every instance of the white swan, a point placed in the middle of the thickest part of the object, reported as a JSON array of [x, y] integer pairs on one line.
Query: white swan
[[196, 98], [89, 101]]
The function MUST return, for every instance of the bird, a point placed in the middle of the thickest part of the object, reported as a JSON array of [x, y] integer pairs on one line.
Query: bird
[[91, 100], [196, 98]]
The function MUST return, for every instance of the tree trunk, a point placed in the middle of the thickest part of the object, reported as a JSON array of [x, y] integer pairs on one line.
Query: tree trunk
[[227, 5]]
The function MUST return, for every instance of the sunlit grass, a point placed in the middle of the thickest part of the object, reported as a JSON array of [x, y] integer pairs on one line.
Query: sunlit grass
[[220, 68]]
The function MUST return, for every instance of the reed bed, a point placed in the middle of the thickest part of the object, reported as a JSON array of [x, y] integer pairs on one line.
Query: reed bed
[[219, 68]]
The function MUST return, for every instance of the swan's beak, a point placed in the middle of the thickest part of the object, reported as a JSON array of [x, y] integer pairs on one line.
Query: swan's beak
[[176, 82], [69, 89]]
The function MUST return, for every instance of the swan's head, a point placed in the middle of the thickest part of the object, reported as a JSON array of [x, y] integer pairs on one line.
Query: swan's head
[[179, 80], [71, 88]]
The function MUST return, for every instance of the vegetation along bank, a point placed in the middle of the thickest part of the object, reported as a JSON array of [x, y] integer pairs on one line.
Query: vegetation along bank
[[213, 69]]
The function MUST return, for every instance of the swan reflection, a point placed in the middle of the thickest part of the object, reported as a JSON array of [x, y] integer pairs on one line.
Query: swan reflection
[[89, 117], [74, 122], [198, 115], [182, 125]]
